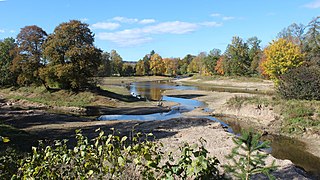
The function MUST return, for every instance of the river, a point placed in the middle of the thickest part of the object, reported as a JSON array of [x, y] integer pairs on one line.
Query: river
[[281, 147]]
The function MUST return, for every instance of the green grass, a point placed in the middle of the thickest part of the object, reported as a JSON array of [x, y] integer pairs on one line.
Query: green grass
[[235, 78], [297, 115], [116, 89], [58, 98]]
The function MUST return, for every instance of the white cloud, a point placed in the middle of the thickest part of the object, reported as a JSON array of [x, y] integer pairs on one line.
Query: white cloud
[[2, 31], [174, 27], [313, 5], [147, 21], [215, 14], [125, 20], [105, 25], [131, 37], [133, 20], [137, 36], [125, 38], [12, 31], [210, 24], [2, 0], [226, 18]]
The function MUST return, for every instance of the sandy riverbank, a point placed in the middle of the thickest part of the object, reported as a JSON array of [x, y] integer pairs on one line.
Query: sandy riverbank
[[263, 118]]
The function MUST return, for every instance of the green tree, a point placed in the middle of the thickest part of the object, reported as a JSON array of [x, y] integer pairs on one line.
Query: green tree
[[255, 54], [312, 42], [28, 55], [211, 60], [72, 57], [184, 63], [293, 33], [237, 61], [281, 55], [6, 58], [116, 63], [127, 69], [105, 67]]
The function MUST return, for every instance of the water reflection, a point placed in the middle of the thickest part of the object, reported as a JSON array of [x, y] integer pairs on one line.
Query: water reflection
[[153, 90]]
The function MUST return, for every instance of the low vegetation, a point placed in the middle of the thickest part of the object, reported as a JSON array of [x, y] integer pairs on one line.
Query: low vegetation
[[300, 83], [298, 116], [40, 95], [137, 156]]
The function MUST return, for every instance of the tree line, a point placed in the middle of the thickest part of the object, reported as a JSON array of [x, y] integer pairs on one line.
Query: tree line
[[68, 59]]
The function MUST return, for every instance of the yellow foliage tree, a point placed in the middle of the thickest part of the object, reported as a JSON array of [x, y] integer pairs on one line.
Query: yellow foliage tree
[[281, 55], [157, 65]]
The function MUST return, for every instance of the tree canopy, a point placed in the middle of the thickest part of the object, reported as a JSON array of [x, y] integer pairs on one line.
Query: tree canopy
[[28, 55], [281, 55], [72, 57], [6, 58]]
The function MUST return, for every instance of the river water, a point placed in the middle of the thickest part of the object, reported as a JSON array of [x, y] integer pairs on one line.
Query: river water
[[281, 147]]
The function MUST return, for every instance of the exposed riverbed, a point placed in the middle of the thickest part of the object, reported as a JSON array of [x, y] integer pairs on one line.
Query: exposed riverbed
[[282, 147]]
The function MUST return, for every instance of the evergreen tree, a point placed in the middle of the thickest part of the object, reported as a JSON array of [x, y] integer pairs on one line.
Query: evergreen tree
[[246, 157]]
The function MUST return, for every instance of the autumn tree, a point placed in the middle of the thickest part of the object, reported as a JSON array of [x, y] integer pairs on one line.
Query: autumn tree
[[72, 57], [105, 66], [127, 69], [237, 61], [281, 55], [28, 55], [219, 66], [140, 68], [6, 57], [171, 66], [116, 62], [157, 65], [196, 65]]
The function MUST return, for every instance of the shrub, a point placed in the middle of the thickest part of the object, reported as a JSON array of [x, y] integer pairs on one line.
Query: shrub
[[301, 83], [111, 157]]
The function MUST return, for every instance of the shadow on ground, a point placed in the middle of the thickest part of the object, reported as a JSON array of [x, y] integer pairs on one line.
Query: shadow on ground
[[120, 97], [187, 96]]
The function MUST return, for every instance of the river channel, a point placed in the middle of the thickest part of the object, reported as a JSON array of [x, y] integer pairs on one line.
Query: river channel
[[281, 147]]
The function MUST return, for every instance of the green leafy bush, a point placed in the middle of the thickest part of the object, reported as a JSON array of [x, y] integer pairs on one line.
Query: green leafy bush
[[110, 157], [301, 83]]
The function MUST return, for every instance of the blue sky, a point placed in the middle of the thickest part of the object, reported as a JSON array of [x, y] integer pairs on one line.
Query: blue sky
[[173, 28]]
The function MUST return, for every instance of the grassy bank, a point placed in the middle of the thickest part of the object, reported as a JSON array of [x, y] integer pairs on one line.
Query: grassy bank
[[250, 85], [298, 116], [41, 96]]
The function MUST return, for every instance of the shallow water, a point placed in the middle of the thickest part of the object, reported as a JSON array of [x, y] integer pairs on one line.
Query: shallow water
[[281, 147]]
